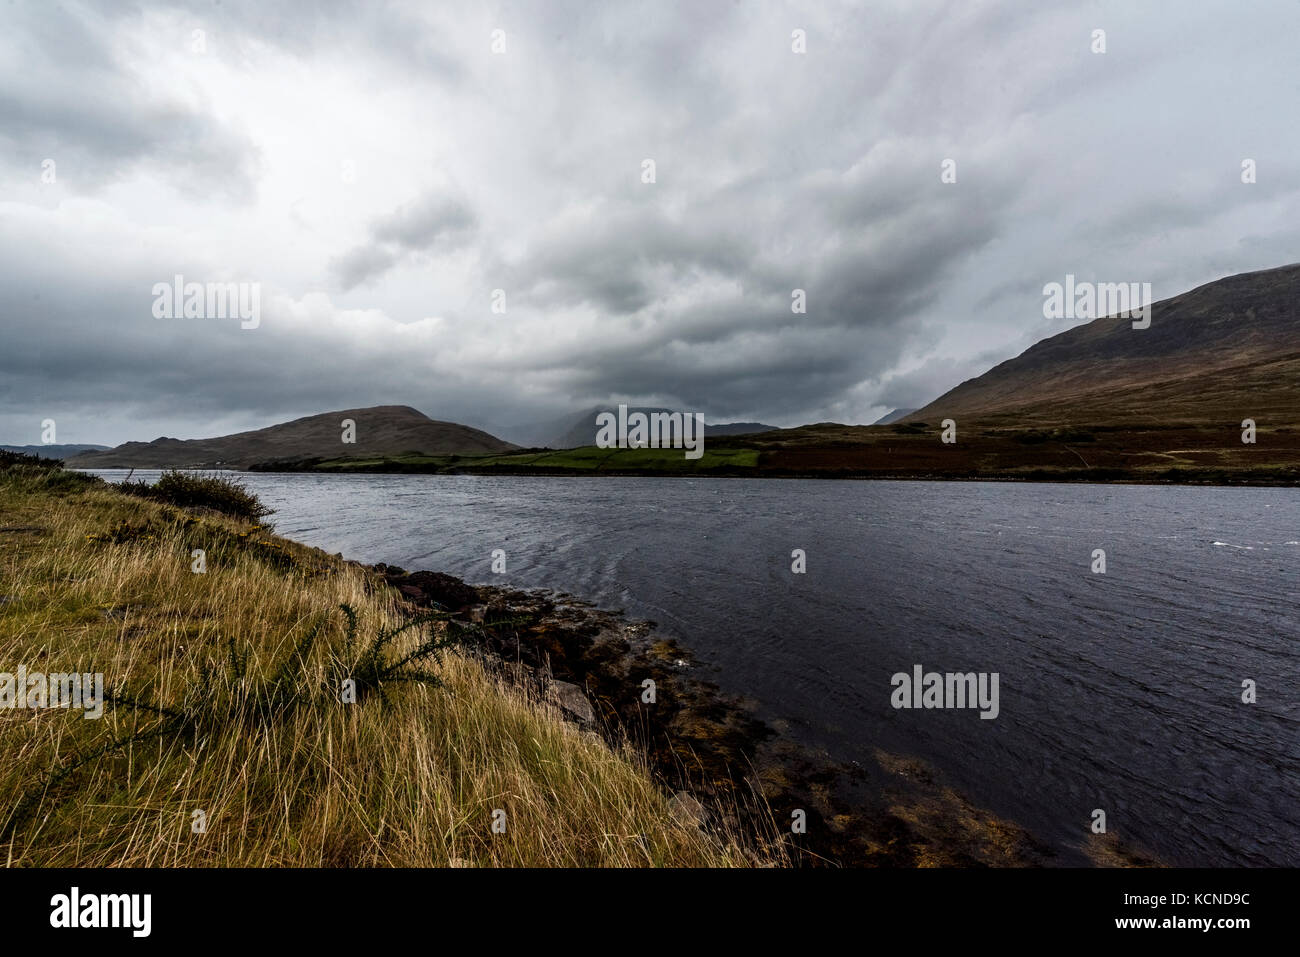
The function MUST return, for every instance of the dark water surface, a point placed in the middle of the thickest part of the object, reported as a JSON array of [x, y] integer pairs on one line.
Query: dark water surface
[[1119, 691]]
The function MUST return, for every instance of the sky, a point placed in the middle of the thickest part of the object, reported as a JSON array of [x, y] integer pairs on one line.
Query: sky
[[447, 205]]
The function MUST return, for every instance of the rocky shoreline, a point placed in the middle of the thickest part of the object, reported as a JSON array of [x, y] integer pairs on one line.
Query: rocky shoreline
[[730, 771]]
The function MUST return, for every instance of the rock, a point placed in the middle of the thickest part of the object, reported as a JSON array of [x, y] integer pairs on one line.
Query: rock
[[571, 699], [444, 589], [687, 810], [410, 591]]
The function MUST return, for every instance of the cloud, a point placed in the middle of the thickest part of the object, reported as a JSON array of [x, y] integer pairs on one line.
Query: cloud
[[433, 223], [73, 94], [521, 171]]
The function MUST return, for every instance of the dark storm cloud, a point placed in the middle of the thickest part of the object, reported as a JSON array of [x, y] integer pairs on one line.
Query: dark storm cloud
[[363, 263], [162, 367], [608, 259], [521, 171], [432, 222], [877, 254]]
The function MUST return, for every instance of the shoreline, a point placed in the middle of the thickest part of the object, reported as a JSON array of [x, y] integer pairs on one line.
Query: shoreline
[[733, 778], [725, 765], [1243, 481]]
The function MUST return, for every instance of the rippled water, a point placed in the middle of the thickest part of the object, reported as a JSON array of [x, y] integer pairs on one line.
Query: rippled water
[[1119, 691]]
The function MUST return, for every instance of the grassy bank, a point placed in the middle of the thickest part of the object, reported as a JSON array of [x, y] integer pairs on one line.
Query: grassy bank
[[225, 700]]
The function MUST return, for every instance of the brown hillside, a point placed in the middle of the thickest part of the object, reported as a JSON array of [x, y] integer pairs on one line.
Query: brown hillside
[[1222, 352], [381, 430]]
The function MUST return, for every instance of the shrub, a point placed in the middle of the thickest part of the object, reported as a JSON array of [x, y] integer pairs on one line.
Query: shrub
[[9, 460], [32, 473], [186, 490]]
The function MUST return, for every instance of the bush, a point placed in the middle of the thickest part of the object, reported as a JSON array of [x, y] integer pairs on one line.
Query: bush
[[32, 473], [225, 495], [10, 460]]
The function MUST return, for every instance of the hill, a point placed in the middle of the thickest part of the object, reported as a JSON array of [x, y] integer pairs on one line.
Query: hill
[[1099, 402], [1103, 402], [894, 416], [380, 430], [1222, 352]]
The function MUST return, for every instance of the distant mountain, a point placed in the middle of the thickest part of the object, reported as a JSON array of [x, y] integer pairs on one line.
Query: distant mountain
[[53, 451], [738, 428], [537, 433], [894, 416], [381, 430], [582, 430], [1223, 352]]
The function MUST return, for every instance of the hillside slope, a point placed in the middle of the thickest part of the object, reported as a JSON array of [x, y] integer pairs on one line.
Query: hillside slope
[[380, 430], [1222, 352], [890, 417], [406, 778]]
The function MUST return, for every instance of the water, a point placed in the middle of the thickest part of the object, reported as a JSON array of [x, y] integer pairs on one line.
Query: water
[[1119, 691]]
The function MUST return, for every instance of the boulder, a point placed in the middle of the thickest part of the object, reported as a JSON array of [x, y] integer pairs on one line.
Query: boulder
[[447, 591], [571, 700]]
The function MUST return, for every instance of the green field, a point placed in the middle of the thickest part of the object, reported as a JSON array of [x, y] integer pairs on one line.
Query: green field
[[587, 459]]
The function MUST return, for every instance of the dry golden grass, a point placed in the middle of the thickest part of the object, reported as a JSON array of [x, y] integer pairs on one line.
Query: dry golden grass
[[411, 781]]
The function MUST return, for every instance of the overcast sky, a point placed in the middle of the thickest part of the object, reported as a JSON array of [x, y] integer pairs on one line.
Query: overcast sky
[[379, 169]]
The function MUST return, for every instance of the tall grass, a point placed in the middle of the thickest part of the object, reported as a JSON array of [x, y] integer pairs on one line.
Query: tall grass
[[226, 702]]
